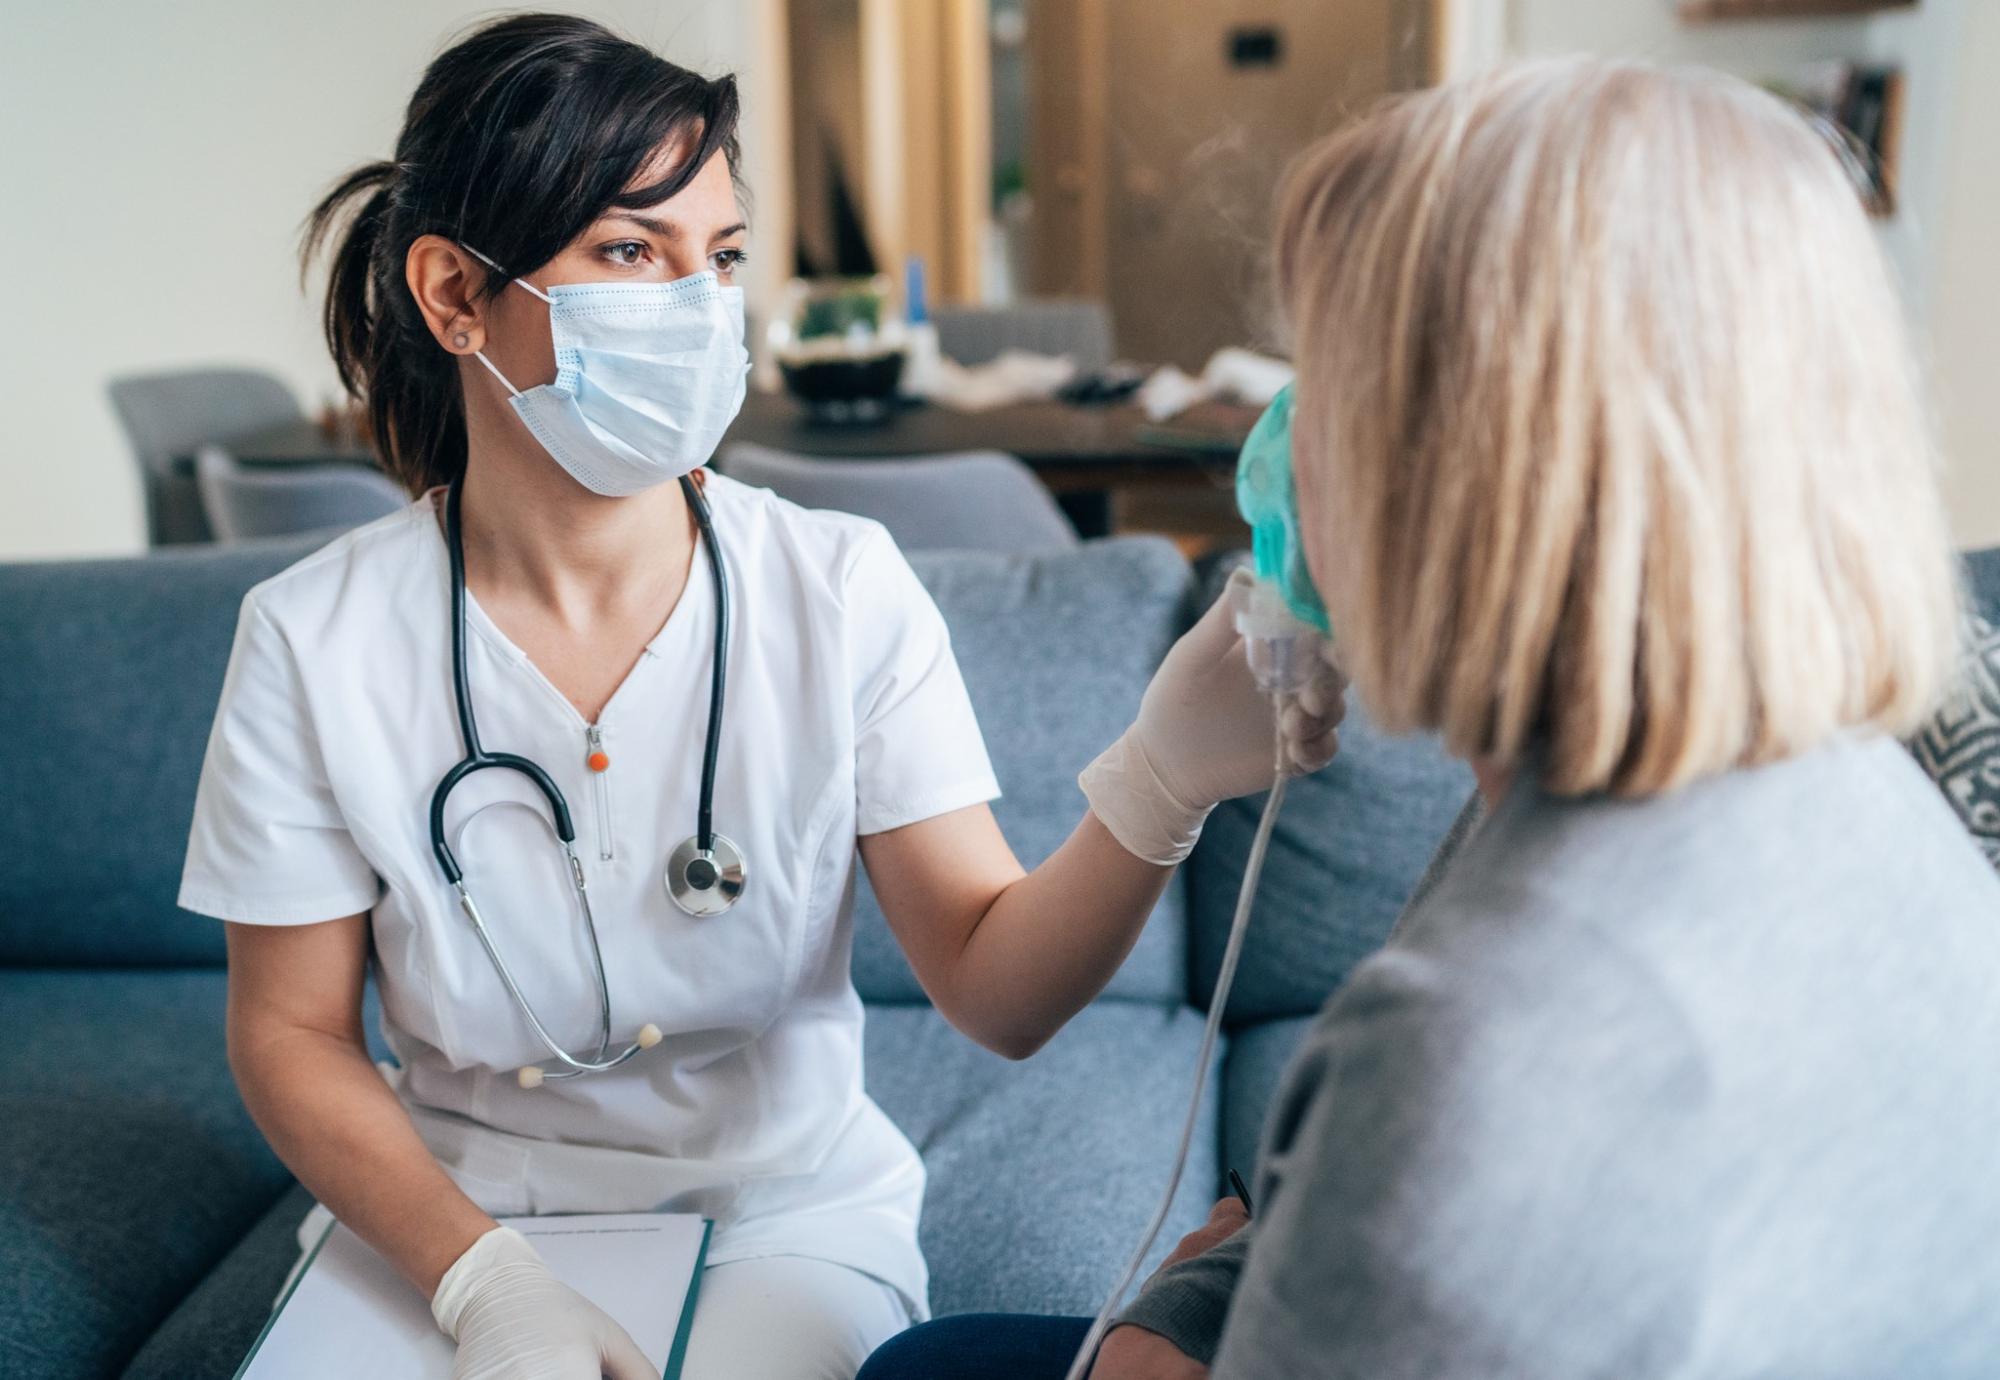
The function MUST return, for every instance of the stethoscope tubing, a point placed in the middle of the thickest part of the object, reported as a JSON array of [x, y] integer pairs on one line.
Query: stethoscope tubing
[[718, 676], [597, 1063], [477, 759]]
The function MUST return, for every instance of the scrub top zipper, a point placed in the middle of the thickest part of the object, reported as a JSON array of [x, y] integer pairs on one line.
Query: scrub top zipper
[[599, 763]]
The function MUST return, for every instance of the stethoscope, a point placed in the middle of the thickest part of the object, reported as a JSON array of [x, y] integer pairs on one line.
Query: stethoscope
[[705, 874]]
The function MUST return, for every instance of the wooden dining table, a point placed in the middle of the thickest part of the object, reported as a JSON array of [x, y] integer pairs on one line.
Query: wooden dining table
[[1084, 453]]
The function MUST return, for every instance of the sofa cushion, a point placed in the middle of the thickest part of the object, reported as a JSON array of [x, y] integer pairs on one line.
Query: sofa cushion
[[1251, 1069], [1348, 848], [1959, 745], [132, 1167], [216, 1325], [1347, 851], [1043, 1173], [112, 673], [1982, 578], [1056, 650]]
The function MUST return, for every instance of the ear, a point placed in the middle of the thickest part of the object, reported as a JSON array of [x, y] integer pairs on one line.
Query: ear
[[445, 280]]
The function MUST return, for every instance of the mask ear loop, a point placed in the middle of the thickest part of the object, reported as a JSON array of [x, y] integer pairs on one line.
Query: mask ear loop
[[521, 282], [494, 370], [480, 355]]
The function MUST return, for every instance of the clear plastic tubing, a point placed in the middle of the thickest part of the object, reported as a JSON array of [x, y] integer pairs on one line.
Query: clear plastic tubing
[[1281, 670]]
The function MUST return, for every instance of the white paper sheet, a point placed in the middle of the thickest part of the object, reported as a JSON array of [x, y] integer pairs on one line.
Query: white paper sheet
[[352, 1314]]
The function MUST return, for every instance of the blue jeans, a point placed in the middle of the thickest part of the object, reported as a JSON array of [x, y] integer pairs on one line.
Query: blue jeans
[[980, 1346]]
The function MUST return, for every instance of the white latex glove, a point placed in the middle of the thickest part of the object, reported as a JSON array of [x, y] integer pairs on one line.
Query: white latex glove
[[513, 1320], [1205, 734]]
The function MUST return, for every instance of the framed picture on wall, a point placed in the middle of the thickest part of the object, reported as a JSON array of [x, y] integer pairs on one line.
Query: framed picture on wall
[[1784, 9], [1860, 106]]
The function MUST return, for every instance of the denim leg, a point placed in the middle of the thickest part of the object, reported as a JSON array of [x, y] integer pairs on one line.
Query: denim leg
[[980, 1346]]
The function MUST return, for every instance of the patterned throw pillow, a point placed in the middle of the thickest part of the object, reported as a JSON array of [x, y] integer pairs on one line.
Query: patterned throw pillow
[[1960, 746]]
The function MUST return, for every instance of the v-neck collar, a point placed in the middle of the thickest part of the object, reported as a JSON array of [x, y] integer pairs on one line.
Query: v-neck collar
[[698, 585]]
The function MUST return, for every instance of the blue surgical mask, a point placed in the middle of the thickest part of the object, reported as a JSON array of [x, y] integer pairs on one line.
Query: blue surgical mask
[[648, 377], [1268, 498]]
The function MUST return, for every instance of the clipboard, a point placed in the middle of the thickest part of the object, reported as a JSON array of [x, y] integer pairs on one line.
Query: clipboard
[[347, 1312]]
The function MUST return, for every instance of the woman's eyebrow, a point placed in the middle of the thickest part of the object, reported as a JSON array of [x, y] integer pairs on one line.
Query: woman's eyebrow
[[667, 230]]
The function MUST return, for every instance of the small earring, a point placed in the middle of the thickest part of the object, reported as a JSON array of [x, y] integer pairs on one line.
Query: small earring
[[461, 340]]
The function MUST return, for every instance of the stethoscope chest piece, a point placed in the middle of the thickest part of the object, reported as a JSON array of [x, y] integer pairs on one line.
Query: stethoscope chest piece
[[705, 881]]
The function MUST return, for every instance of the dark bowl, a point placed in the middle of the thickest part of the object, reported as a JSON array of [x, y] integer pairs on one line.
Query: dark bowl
[[815, 382]]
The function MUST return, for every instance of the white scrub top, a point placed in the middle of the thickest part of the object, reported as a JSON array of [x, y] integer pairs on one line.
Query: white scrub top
[[846, 715]]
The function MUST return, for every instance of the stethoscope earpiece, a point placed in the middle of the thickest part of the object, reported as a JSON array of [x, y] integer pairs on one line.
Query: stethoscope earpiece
[[530, 1076]]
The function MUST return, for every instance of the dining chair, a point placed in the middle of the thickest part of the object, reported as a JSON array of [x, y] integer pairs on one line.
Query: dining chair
[[167, 416], [1077, 328], [969, 501], [242, 503]]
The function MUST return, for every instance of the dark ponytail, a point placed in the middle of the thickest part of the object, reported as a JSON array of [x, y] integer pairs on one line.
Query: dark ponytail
[[381, 346], [518, 138]]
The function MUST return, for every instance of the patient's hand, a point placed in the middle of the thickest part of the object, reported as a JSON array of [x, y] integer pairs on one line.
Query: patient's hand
[[1225, 1219], [1133, 1353]]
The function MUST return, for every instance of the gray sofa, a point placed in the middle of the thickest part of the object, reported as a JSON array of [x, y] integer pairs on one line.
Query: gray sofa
[[145, 1226]]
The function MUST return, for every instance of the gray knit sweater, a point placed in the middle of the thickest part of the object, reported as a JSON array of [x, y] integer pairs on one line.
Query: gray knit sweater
[[1705, 1085]]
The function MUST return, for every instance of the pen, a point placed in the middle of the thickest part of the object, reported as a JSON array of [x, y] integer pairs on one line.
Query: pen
[[1242, 1193]]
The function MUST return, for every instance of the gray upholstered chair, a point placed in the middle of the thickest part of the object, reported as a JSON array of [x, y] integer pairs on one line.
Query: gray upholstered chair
[[972, 501], [167, 416], [241, 504], [1051, 326]]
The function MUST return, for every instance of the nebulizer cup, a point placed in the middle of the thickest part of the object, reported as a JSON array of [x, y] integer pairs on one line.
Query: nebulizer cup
[[1285, 633]]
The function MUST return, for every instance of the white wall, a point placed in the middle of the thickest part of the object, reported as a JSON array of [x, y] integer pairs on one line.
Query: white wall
[[158, 160], [1965, 292], [1945, 240]]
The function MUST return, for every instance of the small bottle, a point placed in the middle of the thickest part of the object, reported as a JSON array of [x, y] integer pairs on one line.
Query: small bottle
[[922, 366]]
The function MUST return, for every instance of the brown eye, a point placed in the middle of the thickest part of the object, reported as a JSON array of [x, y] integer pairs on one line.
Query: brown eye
[[625, 253]]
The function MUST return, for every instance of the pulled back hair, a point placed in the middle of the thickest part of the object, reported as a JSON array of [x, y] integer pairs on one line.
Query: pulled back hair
[[519, 136]]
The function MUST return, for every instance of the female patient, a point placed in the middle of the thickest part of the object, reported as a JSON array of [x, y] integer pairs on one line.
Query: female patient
[[1613, 472]]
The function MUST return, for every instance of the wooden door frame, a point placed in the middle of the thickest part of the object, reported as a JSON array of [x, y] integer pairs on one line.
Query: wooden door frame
[[1439, 20], [1069, 111]]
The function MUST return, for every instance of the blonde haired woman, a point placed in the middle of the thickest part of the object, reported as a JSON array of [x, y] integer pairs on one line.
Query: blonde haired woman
[[1613, 471]]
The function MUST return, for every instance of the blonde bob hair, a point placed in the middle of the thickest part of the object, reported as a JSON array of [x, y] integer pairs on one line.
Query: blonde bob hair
[[1609, 443]]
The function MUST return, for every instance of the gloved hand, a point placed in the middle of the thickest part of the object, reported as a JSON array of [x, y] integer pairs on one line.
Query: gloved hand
[[513, 1320], [1205, 734]]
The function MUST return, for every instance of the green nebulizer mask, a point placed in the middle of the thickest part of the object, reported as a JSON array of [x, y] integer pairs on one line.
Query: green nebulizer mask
[[1283, 617]]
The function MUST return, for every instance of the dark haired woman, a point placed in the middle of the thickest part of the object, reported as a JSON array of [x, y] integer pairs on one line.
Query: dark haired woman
[[534, 299]]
